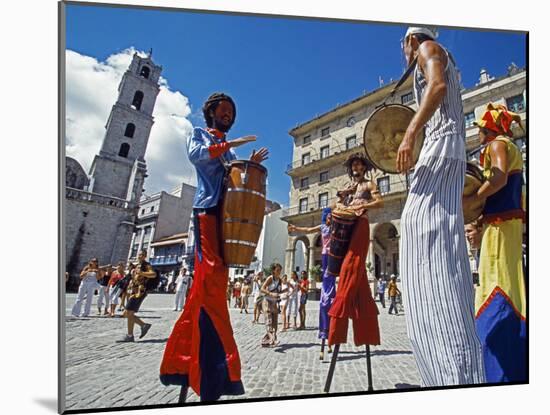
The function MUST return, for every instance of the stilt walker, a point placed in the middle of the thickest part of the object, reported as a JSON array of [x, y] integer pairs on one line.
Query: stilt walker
[[350, 239], [201, 352], [328, 289]]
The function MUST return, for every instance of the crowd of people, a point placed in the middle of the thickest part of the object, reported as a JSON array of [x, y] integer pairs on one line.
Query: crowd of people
[[123, 289], [273, 295]]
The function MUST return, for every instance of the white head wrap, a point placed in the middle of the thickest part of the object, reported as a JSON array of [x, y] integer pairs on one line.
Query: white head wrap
[[430, 32]]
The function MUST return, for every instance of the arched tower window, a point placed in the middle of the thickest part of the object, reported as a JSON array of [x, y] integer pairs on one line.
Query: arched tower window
[[124, 150], [138, 99], [130, 130], [145, 71]]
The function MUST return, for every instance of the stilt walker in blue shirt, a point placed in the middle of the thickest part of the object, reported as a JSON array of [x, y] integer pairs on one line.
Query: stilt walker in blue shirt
[[328, 285]]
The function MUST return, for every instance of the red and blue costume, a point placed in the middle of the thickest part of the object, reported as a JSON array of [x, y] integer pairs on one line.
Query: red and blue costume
[[201, 351]]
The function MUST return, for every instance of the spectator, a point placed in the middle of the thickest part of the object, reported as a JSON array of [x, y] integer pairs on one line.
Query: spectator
[[304, 288], [115, 287], [229, 292], [292, 301], [381, 290], [284, 301], [103, 290], [125, 285], [88, 283], [393, 291], [245, 292], [142, 272], [183, 282], [237, 293], [271, 290], [256, 286]]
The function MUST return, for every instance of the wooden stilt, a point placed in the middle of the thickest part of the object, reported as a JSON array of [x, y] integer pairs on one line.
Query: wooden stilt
[[331, 368], [183, 394], [369, 370], [322, 356]]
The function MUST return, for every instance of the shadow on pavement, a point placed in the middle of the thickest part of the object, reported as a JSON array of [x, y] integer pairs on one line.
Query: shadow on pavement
[[284, 347], [406, 386], [362, 354], [153, 341]]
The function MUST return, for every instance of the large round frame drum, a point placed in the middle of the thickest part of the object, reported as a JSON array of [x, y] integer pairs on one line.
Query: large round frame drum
[[384, 133], [473, 181], [243, 211]]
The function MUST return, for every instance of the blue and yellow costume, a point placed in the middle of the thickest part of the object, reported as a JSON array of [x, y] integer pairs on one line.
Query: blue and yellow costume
[[500, 298]]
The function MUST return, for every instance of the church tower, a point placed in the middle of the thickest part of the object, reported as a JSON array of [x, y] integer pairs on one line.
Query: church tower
[[119, 169]]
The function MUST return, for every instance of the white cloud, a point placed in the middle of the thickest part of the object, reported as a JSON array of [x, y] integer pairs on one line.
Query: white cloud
[[92, 89]]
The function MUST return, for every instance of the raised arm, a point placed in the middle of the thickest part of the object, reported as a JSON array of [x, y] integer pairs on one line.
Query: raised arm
[[293, 228]]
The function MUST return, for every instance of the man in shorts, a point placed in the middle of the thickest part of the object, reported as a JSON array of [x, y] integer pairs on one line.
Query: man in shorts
[[139, 291]]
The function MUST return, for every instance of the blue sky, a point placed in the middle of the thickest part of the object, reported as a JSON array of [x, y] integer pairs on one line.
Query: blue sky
[[280, 71]]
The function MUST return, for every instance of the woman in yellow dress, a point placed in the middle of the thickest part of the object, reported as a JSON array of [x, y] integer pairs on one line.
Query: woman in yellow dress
[[500, 297]]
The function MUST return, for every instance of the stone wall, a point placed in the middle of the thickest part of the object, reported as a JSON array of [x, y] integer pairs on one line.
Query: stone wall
[[95, 230]]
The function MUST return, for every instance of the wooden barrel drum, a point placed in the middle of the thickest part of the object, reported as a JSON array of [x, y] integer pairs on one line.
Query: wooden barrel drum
[[342, 224], [243, 211]]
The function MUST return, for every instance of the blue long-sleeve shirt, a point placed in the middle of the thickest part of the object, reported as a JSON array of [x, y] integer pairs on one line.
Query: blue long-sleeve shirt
[[205, 152]]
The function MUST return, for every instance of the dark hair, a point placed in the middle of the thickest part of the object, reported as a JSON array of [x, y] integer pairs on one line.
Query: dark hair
[[212, 103], [359, 157], [276, 265]]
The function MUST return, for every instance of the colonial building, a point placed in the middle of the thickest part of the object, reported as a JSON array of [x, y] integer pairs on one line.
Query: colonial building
[[322, 144], [161, 216], [100, 208]]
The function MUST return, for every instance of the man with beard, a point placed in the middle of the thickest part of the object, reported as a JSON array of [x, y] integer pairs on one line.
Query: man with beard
[[437, 281], [201, 351]]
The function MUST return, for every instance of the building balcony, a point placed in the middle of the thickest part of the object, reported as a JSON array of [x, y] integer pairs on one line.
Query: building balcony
[[301, 212], [165, 260], [318, 162]]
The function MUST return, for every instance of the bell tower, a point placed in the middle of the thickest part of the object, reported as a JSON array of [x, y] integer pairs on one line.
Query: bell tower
[[119, 169]]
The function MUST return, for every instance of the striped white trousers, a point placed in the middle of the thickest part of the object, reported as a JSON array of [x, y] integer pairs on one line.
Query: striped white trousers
[[437, 283]]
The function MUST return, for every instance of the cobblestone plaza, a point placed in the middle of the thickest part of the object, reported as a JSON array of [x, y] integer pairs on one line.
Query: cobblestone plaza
[[102, 372]]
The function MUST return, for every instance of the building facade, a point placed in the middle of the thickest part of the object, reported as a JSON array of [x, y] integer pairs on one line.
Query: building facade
[[160, 216], [322, 144], [101, 207]]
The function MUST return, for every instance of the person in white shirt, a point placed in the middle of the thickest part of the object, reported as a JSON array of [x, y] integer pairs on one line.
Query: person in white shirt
[[88, 284], [183, 283], [292, 301]]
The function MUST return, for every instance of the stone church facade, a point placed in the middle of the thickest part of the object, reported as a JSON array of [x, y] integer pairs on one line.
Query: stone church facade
[[100, 208]]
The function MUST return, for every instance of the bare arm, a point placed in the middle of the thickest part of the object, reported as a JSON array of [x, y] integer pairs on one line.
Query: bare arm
[[293, 228], [149, 273], [499, 170], [375, 203], [432, 60], [266, 283], [84, 272]]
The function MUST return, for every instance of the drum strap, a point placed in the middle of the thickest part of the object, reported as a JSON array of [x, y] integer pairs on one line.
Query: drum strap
[[402, 79]]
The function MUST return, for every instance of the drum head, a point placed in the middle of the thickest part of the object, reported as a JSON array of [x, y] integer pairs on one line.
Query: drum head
[[383, 134], [244, 163]]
